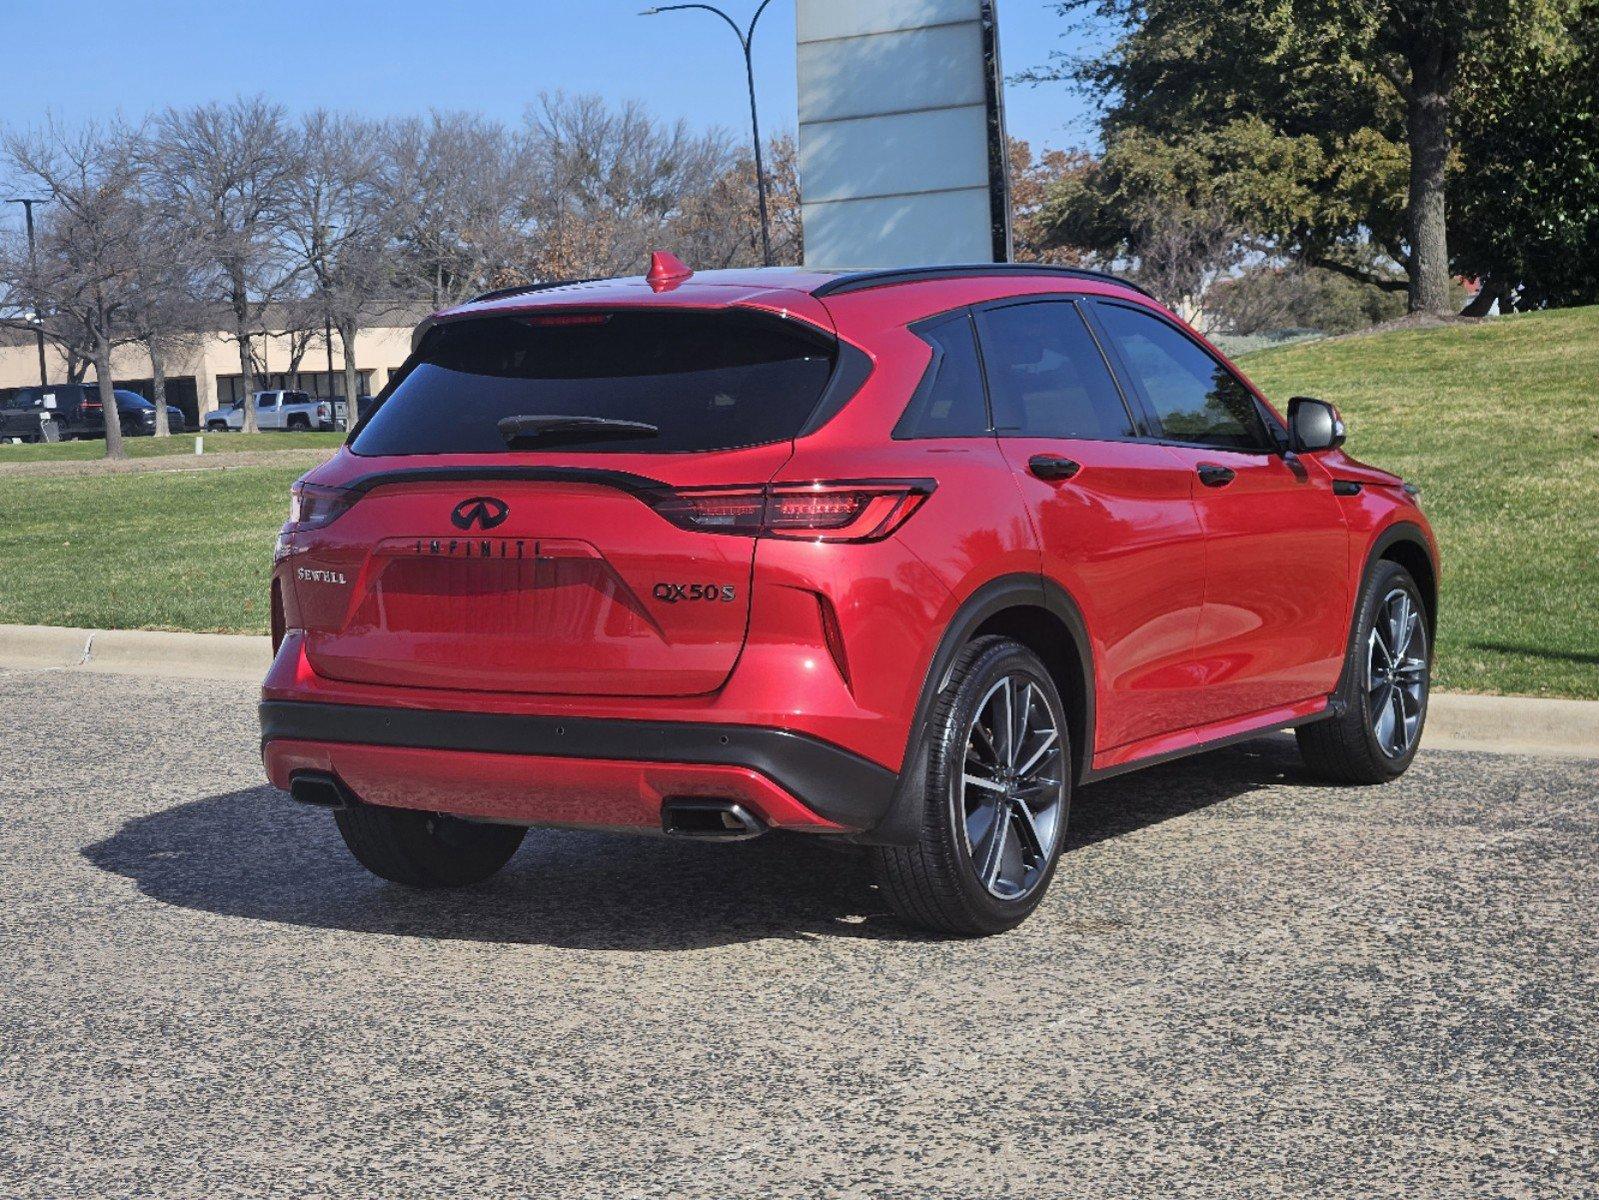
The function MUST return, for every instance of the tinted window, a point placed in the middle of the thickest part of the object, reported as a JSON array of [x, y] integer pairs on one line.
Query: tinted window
[[949, 401], [1047, 377], [706, 381], [1195, 397]]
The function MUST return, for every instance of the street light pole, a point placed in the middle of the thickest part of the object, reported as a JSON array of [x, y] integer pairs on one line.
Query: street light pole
[[746, 40], [27, 203]]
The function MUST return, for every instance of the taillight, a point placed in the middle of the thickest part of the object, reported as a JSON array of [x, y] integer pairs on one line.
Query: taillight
[[846, 511], [312, 506]]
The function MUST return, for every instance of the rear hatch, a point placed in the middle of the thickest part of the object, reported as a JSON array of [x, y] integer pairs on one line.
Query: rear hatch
[[538, 507]]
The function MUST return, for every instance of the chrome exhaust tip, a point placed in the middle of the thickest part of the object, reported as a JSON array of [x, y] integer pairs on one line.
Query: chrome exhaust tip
[[710, 820]]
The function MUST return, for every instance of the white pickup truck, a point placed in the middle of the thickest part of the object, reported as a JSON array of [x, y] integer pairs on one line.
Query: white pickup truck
[[280, 410]]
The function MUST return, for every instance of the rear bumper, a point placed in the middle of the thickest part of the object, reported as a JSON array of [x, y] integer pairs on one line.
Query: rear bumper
[[567, 771]]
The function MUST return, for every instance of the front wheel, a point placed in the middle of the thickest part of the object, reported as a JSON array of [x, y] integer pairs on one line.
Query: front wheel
[[995, 806], [1383, 698], [423, 849]]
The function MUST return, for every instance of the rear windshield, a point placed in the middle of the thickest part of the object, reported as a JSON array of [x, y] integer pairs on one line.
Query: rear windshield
[[705, 381]]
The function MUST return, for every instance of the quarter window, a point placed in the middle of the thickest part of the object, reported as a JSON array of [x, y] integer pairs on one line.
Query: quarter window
[[949, 402], [1194, 396], [1047, 377]]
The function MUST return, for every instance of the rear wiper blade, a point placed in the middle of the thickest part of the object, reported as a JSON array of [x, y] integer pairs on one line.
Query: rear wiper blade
[[548, 428]]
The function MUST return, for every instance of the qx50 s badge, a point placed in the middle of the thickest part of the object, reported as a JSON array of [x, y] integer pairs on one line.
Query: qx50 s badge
[[677, 593], [480, 512]]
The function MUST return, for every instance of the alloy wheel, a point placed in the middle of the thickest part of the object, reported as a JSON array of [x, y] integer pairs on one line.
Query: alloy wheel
[[1010, 798], [1396, 673]]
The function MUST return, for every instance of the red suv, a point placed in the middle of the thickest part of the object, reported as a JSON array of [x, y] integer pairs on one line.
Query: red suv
[[895, 557]]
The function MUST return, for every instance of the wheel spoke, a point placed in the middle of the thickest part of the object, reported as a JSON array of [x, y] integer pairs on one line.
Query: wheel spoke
[[1401, 737], [979, 781], [1027, 827], [1383, 715], [988, 740], [1050, 738], [1378, 648], [1009, 693], [1398, 605], [995, 856]]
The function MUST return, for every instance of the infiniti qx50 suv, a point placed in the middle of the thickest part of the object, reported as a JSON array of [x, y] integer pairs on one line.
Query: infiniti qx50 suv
[[899, 558]]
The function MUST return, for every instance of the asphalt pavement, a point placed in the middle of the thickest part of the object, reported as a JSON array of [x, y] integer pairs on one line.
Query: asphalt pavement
[[1242, 984]]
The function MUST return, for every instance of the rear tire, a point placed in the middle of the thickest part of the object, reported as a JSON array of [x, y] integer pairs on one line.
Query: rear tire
[[1384, 703], [994, 810], [299, 424], [426, 850]]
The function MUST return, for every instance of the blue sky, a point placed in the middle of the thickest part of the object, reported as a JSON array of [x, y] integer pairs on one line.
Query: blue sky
[[83, 58]]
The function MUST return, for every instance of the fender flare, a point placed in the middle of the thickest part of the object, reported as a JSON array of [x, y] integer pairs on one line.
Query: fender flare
[[901, 825], [1390, 536]]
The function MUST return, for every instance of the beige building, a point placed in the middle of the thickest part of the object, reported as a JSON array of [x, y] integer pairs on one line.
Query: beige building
[[204, 374]]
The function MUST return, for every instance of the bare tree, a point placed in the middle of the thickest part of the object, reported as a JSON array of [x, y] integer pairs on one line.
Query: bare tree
[[161, 299], [457, 188], [231, 172], [719, 225], [340, 223], [92, 247], [1180, 251], [611, 182]]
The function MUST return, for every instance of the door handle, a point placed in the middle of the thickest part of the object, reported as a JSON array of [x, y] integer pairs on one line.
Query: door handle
[[1053, 467], [1216, 475]]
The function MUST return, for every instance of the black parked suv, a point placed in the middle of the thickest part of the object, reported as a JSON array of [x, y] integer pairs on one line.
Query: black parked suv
[[72, 410]]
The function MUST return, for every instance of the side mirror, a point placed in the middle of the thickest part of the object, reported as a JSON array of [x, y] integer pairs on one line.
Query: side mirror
[[1313, 425]]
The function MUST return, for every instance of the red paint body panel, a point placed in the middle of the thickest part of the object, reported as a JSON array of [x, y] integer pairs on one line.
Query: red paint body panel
[[1122, 538], [1208, 612], [521, 789], [1277, 590]]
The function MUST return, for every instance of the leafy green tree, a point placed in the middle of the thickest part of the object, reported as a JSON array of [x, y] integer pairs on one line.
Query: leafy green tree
[[1525, 203], [1331, 117]]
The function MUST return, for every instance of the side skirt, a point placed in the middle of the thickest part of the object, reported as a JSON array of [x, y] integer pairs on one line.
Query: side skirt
[[1152, 751]]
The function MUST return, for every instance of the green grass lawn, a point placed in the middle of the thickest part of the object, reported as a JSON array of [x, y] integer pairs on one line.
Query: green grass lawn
[[152, 550], [182, 443], [1499, 424]]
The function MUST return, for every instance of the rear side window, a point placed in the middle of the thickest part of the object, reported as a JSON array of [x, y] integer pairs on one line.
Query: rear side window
[[949, 401], [704, 381], [1195, 397], [1047, 377]]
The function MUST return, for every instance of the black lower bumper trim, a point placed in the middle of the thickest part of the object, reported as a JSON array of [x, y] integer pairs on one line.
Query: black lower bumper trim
[[829, 780]]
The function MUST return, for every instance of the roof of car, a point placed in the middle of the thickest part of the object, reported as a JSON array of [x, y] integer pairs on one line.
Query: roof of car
[[810, 280]]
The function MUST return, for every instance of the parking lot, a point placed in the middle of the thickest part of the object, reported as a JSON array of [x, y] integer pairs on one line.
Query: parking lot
[[1241, 984]]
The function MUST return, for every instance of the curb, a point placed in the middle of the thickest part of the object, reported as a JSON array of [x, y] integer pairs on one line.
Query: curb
[[136, 652], [1455, 721]]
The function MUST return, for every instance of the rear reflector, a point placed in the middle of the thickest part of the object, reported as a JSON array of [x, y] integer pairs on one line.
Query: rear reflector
[[847, 511]]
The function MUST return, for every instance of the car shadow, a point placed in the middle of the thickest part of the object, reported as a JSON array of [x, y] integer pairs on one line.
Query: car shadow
[[256, 854]]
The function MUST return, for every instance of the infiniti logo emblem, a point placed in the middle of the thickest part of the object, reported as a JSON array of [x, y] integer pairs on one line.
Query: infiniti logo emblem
[[480, 512]]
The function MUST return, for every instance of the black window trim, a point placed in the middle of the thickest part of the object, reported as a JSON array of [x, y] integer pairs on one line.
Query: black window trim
[[921, 328], [1151, 422], [1133, 408]]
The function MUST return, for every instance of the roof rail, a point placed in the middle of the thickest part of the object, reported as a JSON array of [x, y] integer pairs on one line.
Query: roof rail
[[859, 281], [523, 288]]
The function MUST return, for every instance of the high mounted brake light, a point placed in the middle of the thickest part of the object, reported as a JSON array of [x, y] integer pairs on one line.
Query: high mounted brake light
[[563, 319], [842, 511]]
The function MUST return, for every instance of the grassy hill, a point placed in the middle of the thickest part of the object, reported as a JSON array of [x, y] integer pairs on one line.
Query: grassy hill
[[1499, 424]]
